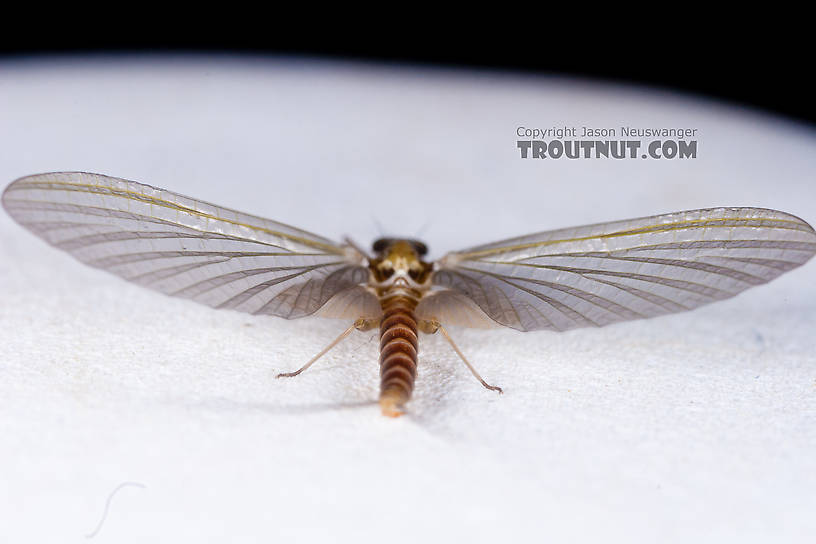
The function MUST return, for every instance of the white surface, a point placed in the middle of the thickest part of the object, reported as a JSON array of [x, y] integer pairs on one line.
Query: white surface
[[694, 427]]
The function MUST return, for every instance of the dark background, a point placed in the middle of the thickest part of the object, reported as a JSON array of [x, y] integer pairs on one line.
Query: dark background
[[767, 74]]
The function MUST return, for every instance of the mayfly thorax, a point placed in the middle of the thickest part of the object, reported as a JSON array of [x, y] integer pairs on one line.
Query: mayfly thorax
[[556, 280]]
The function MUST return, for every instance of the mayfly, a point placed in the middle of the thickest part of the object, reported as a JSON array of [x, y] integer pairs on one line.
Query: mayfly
[[563, 279]]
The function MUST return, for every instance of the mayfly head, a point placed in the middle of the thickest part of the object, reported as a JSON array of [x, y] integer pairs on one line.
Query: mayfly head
[[396, 259]]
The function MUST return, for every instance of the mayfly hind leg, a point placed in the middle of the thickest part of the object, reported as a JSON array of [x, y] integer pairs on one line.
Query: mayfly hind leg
[[361, 324], [431, 326]]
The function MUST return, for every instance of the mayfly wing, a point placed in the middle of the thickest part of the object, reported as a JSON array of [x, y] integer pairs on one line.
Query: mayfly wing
[[352, 303], [184, 247], [600, 274], [453, 308]]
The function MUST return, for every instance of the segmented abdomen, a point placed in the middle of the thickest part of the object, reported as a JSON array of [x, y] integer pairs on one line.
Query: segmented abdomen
[[398, 351]]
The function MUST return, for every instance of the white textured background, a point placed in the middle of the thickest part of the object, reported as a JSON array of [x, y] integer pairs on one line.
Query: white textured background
[[699, 427]]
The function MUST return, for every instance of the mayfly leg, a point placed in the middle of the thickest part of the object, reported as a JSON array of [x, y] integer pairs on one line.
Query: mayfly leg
[[362, 324], [431, 326]]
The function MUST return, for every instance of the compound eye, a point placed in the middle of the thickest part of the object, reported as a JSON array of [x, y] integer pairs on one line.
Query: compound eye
[[381, 245], [420, 248]]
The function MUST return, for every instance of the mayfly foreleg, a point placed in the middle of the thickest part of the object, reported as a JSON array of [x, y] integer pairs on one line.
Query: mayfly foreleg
[[430, 326], [361, 324]]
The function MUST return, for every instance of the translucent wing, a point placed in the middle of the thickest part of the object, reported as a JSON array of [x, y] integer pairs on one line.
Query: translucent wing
[[600, 274], [352, 303], [453, 308], [182, 246]]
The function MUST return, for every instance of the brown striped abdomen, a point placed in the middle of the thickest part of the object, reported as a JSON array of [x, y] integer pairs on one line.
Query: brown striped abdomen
[[398, 352]]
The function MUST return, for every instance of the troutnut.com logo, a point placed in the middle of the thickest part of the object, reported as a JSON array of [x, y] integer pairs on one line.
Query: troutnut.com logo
[[567, 142]]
